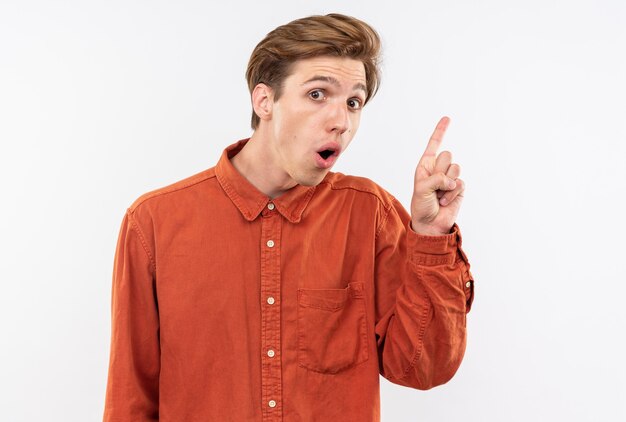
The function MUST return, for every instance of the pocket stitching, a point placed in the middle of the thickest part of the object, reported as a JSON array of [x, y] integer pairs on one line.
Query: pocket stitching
[[363, 334], [310, 301]]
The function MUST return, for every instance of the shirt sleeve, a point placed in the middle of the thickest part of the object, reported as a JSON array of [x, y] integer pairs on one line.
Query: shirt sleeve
[[424, 289], [133, 381]]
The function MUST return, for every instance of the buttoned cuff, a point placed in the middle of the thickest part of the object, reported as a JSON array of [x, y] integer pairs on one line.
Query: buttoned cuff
[[435, 250], [442, 250]]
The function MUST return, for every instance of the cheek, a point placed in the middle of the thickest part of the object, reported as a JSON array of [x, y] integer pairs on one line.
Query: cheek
[[287, 125], [298, 129]]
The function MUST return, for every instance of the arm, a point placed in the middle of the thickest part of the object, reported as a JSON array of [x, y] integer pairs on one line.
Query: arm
[[133, 381], [422, 297], [420, 326]]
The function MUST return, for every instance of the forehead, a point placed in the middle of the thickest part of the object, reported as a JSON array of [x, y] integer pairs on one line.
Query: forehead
[[345, 70]]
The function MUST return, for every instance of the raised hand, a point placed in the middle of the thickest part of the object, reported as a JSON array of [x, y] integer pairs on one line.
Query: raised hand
[[438, 191]]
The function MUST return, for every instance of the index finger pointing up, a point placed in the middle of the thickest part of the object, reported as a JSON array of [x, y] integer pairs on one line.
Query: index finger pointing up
[[436, 137]]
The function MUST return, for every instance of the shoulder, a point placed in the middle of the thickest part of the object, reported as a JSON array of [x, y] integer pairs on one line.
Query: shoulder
[[358, 185], [365, 197], [179, 187]]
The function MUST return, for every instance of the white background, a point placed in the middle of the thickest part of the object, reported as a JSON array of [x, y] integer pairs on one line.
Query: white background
[[102, 101]]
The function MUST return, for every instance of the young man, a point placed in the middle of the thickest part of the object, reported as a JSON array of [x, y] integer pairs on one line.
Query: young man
[[268, 288]]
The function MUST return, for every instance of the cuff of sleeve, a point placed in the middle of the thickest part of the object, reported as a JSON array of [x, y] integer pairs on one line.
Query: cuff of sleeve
[[434, 250], [445, 249]]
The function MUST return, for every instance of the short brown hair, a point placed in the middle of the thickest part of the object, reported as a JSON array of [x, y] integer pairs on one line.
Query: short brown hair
[[330, 35]]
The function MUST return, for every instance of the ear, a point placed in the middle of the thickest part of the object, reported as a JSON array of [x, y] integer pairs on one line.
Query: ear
[[262, 101]]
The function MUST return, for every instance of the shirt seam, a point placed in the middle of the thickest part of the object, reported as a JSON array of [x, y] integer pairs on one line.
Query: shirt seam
[[422, 330], [419, 347], [383, 222], [135, 226], [171, 188], [359, 189], [387, 205]]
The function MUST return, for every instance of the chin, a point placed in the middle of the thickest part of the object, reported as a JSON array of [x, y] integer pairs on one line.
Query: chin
[[312, 180]]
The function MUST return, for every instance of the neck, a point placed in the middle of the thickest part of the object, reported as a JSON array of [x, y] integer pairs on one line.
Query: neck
[[257, 162]]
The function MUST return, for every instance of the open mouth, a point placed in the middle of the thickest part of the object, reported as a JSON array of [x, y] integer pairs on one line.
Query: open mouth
[[326, 153]]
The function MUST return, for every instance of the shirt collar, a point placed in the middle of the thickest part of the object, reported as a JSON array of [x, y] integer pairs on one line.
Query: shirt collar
[[249, 200]]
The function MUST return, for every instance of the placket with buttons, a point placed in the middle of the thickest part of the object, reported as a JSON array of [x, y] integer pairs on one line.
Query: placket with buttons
[[270, 315]]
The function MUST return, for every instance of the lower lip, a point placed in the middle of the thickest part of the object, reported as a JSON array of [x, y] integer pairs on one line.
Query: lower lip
[[325, 163]]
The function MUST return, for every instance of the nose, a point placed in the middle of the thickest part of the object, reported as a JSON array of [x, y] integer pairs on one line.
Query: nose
[[339, 120]]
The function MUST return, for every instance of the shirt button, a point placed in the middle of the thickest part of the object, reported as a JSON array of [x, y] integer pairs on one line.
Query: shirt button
[[270, 353], [468, 284], [270, 206], [272, 403], [270, 243], [270, 300]]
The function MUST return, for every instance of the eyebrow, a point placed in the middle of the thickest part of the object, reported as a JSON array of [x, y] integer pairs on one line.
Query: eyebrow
[[334, 81]]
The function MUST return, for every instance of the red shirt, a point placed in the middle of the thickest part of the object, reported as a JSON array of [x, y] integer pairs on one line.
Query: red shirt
[[231, 306]]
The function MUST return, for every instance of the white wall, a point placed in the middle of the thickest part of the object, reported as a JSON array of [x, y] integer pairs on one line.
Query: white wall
[[101, 101]]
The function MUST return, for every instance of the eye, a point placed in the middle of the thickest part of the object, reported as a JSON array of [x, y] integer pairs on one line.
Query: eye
[[355, 103], [317, 95]]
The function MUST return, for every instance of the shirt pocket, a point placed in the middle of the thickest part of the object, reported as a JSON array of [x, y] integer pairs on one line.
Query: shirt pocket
[[332, 328]]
